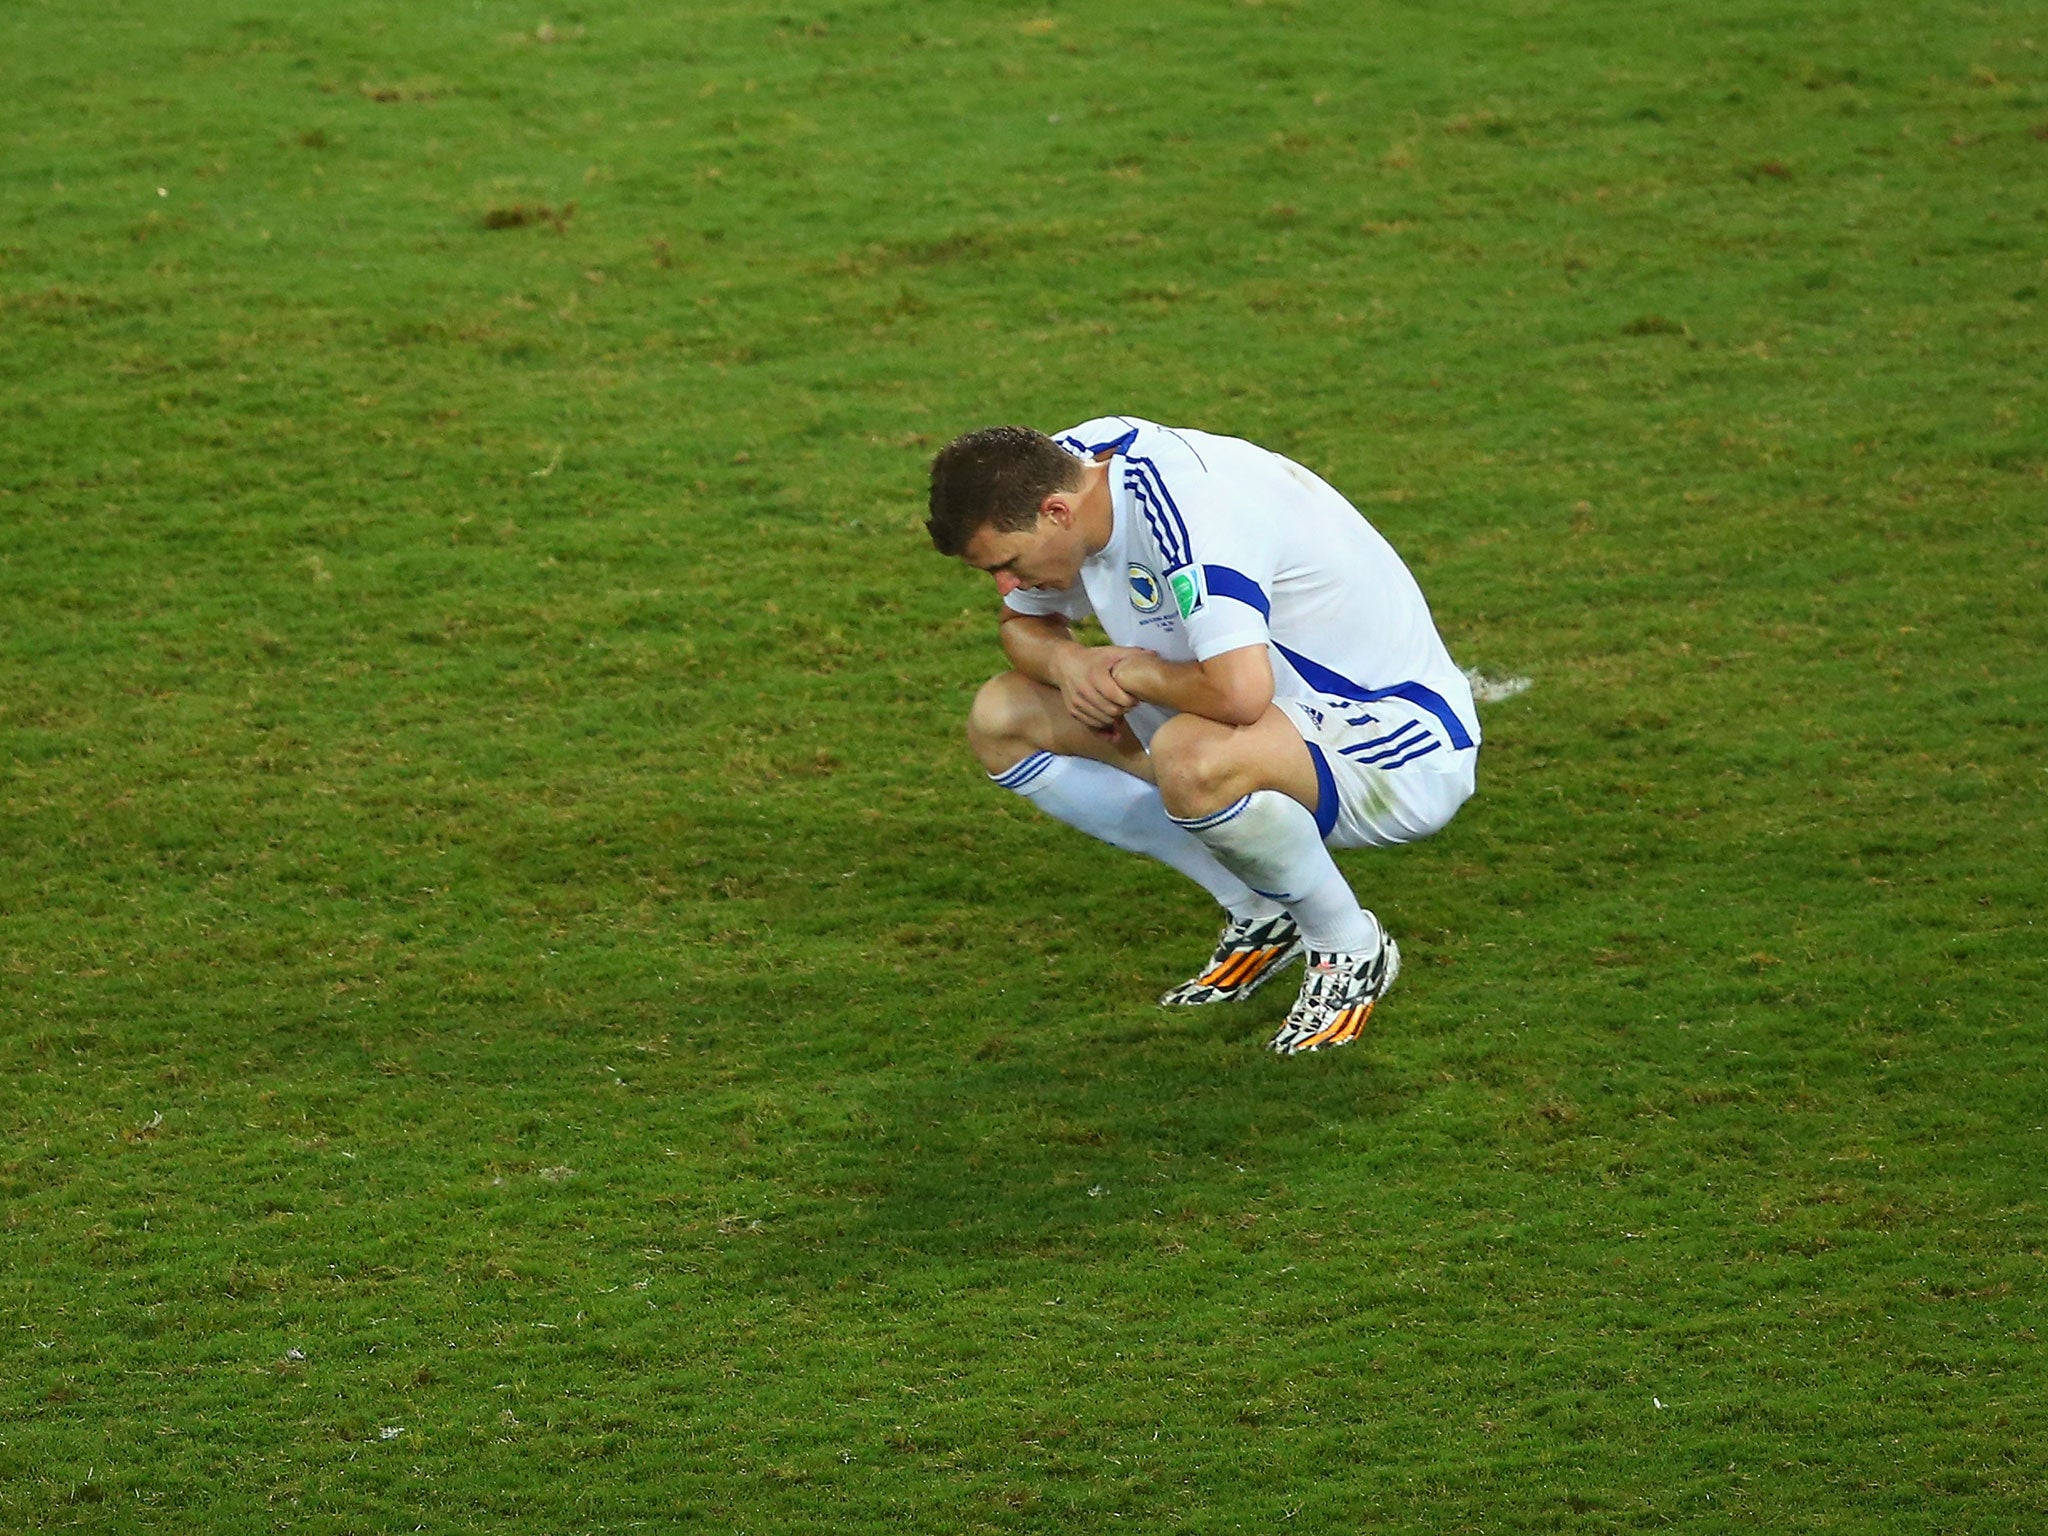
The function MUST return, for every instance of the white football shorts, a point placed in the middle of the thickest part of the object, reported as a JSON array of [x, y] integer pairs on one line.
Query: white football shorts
[[1389, 765]]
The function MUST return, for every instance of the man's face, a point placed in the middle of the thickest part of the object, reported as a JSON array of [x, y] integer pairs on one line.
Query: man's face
[[1048, 555]]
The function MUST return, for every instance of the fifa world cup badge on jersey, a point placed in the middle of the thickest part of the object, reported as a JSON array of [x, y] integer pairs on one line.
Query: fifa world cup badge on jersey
[[1186, 586], [1145, 592]]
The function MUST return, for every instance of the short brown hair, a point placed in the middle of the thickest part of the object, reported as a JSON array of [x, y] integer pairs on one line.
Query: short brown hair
[[995, 478]]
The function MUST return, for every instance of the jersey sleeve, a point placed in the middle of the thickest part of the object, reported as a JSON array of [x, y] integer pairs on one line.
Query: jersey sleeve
[[1043, 602], [1214, 563]]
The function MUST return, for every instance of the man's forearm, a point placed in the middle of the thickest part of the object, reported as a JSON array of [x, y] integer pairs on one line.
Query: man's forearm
[[1034, 646], [1193, 688]]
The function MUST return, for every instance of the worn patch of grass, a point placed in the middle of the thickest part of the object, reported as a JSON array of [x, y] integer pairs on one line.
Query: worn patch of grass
[[519, 1009]]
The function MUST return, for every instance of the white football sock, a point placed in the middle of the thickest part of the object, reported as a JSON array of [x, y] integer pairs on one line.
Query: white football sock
[[1125, 812], [1271, 842]]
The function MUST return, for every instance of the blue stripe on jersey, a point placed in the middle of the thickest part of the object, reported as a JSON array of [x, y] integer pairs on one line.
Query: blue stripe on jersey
[[1384, 756], [1168, 526], [1402, 762], [1337, 685], [1167, 534], [1326, 790], [1225, 582], [1092, 449], [1374, 754], [1381, 740], [1148, 488]]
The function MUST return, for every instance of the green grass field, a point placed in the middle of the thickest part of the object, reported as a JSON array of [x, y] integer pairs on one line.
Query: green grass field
[[517, 1009]]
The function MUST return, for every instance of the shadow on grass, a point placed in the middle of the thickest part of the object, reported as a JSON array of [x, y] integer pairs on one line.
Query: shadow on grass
[[1082, 1140]]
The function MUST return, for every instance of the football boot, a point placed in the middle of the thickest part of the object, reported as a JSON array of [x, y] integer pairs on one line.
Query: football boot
[[1251, 952], [1337, 998]]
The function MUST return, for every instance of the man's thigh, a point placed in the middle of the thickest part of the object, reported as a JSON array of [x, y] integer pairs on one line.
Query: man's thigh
[[1022, 715], [1203, 765]]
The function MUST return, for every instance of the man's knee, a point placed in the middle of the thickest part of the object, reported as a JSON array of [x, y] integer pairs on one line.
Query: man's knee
[[1195, 765], [1000, 722]]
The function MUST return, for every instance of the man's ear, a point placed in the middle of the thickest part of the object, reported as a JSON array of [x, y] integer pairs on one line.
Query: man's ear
[[1058, 508]]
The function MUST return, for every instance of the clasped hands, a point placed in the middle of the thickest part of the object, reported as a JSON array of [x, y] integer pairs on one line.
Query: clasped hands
[[1088, 682]]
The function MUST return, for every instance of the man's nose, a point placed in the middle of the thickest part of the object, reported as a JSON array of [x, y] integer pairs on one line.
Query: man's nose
[[1006, 583]]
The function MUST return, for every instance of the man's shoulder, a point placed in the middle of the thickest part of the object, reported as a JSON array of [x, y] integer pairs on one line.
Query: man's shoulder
[[1101, 435], [1135, 438]]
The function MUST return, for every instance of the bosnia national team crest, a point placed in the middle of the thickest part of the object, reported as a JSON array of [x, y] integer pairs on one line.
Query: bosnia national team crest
[[1145, 595]]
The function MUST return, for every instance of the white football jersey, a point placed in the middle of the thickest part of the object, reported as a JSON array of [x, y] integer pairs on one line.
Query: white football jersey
[[1219, 544]]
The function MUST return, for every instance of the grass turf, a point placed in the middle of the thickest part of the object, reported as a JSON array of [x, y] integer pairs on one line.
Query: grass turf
[[518, 1007]]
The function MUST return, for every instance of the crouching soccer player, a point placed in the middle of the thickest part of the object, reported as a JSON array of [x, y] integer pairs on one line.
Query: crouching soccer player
[[1275, 685]]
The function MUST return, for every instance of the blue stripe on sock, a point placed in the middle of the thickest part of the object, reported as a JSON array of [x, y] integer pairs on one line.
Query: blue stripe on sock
[[1024, 772], [1214, 818]]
